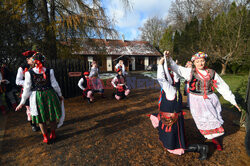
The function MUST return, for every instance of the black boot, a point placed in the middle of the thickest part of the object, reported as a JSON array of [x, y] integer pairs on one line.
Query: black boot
[[192, 148], [203, 150], [34, 127]]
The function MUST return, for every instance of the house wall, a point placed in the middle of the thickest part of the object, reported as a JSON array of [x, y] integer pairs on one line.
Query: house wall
[[146, 62], [109, 63], [135, 63]]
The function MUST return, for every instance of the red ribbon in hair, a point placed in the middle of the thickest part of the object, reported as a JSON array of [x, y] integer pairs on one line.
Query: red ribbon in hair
[[40, 67], [28, 53], [25, 70]]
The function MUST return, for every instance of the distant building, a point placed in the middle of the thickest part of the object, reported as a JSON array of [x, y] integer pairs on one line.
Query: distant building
[[137, 55]]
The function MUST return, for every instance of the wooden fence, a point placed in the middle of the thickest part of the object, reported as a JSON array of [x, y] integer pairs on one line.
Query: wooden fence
[[62, 68]]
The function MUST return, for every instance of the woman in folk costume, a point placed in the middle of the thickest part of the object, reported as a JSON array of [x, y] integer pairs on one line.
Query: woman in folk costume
[[84, 84], [186, 88], [119, 83], [20, 82], [169, 121], [205, 106], [95, 80], [42, 88], [121, 66]]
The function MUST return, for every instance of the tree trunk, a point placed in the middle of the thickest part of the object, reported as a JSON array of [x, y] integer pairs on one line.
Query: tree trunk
[[224, 67], [52, 30], [50, 39]]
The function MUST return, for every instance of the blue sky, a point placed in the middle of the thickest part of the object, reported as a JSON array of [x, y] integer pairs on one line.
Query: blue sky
[[128, 22]]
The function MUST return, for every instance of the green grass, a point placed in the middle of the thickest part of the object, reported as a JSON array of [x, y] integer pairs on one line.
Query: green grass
[[238, 85]]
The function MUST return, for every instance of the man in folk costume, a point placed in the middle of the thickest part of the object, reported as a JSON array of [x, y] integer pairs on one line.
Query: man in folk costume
[[41, 86], [169, 121], [205, 106], [119, 83], [85, 85], [20, 82], [95, 80]]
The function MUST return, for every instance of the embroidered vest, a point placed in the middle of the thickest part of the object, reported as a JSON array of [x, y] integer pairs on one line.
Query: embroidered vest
[[38, 81], [86, 84], [121, 80], [202, 84]]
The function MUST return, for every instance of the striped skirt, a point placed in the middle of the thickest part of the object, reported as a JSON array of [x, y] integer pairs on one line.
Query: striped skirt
[[48, 105]]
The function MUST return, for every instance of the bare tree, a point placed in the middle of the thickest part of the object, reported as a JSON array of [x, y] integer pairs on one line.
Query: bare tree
[[183, 11], [152, 30]]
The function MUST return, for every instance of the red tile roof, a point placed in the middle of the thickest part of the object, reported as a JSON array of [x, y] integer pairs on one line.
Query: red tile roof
[[117, 47]]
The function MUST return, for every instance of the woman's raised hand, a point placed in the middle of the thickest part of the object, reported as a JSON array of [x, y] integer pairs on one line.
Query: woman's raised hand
[[166, 54]]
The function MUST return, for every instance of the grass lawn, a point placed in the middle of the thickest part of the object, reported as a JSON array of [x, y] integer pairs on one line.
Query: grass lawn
[[238, 85]]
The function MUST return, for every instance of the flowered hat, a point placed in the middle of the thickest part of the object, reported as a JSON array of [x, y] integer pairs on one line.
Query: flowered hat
[[39, 59], [199, 55]]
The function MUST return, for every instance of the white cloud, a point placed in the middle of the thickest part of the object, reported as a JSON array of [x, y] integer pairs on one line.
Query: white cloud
[[129, 22]]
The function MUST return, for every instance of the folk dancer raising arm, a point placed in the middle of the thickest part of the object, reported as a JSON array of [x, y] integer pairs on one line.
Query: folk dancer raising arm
[[169, 121], [205, 106]]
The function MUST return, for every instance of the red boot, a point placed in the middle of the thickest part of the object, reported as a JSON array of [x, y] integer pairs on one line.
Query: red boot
[[45, 138], [217, 144], [52, 135]]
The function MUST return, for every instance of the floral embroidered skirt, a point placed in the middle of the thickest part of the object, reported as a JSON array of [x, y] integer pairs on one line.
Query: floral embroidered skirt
[[207, 115], [48, 106]]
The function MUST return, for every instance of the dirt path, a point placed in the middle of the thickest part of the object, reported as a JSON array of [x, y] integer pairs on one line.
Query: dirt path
[[109, 132]]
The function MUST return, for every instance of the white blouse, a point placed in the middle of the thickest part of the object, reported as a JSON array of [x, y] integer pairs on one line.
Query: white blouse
[[165, 84], [80, 82], [123, 68], [114, 81], [20, 77], [222, 88], [32, 94]]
